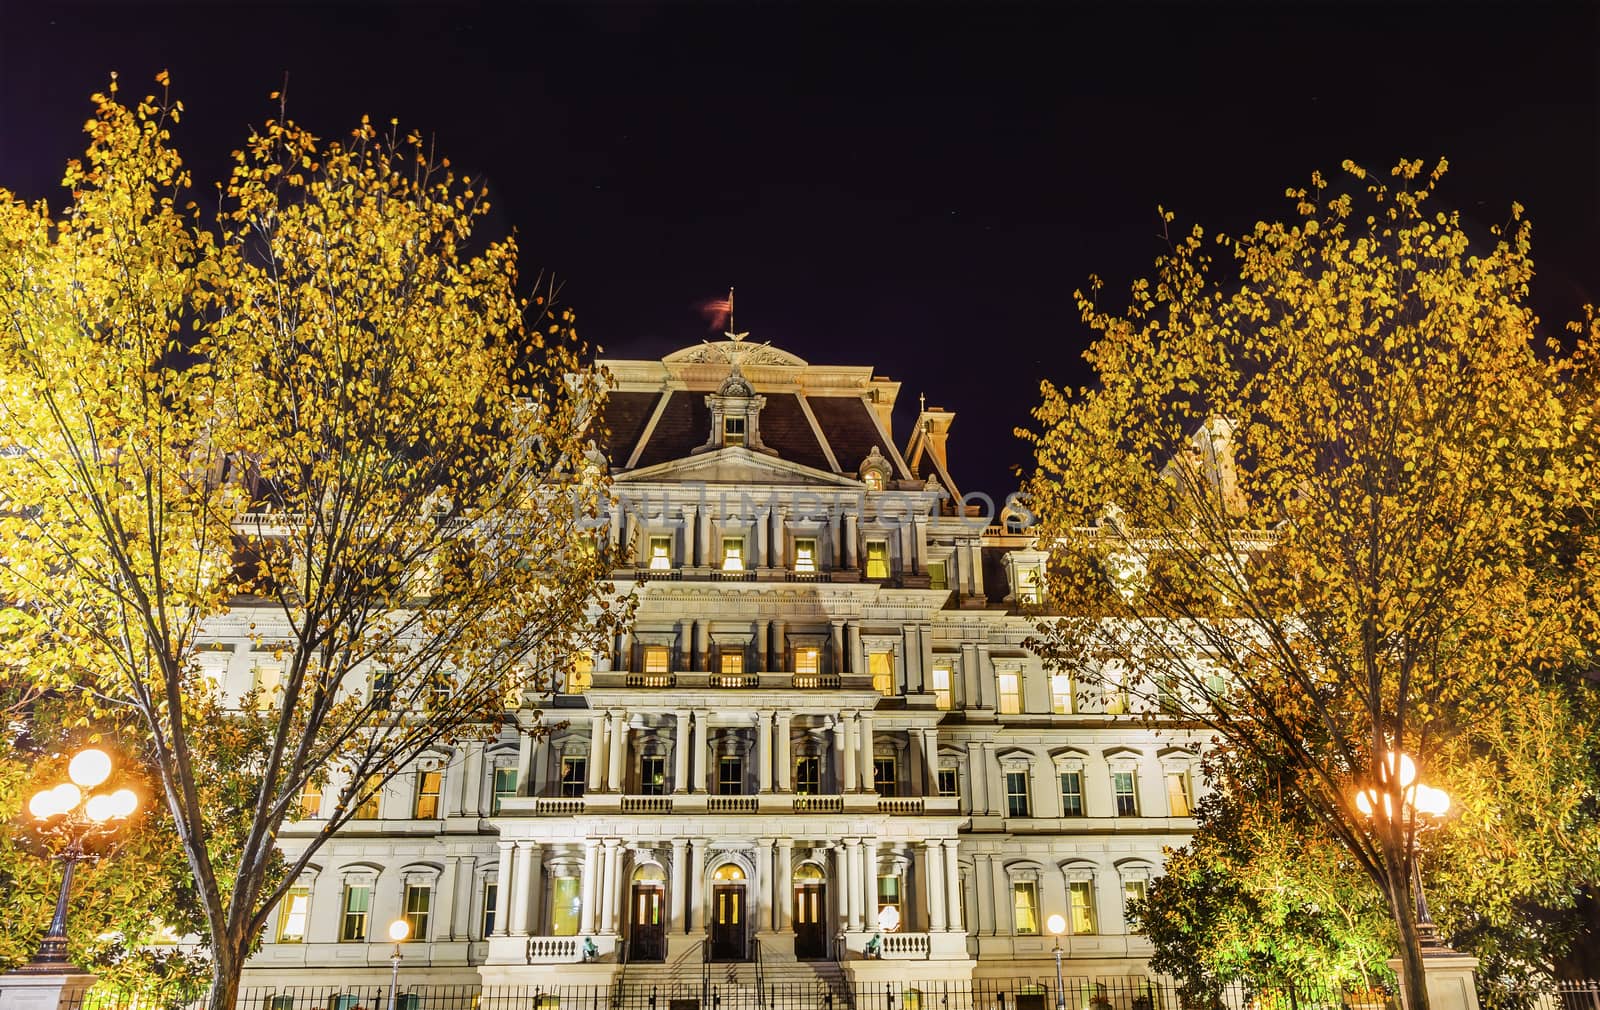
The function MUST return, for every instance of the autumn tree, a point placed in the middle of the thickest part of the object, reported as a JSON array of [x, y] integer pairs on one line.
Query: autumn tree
[[327, 420], [1324, 497]]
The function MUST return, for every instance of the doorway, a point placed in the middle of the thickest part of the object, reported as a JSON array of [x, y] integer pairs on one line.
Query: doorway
[[810, 926], [647, 939]]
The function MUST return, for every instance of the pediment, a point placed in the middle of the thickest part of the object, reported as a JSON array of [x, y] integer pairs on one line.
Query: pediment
[[735, 465]]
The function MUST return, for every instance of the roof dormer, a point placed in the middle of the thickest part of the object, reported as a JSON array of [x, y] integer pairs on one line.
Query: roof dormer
[[735, 415]]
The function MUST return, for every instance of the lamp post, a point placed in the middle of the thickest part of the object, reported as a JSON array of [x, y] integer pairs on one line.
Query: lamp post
[[69, 812], [398, 931], [1057, 925], [1426, 806]]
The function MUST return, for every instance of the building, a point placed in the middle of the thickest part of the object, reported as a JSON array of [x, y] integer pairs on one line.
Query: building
[[823, 738]]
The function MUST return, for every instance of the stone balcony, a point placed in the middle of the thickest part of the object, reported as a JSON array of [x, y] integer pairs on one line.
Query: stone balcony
[[711, 803], [634, 680]]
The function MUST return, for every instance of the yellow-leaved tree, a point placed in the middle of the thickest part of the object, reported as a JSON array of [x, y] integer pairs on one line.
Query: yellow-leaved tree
[[1331, 502], [326, 422]]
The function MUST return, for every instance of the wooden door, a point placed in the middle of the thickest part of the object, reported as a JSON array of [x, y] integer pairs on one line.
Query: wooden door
[[648, 933], [810, 922], [727, 922]]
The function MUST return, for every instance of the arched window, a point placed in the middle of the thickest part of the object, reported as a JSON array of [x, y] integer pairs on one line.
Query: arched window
[[728, 872]]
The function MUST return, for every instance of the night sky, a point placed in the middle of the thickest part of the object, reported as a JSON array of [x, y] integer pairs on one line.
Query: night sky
[[917, 187]]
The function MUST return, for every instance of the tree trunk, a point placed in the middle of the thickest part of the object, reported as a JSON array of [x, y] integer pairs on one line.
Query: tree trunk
[[225, 971], [1412, 980]]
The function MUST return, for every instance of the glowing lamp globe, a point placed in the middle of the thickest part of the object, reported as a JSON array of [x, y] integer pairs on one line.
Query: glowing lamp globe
[[66, 796], [43, 804], [90, 768], [399, 930], [126, 800], [1056, 924], [1399, 763], [101, 808]]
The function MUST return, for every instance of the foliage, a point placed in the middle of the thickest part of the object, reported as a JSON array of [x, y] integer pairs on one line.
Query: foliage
[[1342, 492], [326, 421]]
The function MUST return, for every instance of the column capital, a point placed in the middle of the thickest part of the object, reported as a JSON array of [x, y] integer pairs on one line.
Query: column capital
[[506, 844]]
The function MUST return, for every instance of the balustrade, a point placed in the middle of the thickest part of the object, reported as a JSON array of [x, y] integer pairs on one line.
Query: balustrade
[[905, 946], [900, 805], [647, 804], [731, 804], [553, 949]]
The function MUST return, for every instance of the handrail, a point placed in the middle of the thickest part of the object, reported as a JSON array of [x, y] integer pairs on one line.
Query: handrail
[[622, 959], [705, 973], [761, 980]]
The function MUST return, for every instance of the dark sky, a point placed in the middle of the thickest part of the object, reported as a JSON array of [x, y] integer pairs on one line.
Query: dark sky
[[918, 187]]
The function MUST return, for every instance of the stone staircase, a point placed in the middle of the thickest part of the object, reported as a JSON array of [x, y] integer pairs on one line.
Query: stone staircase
[[789, 984]]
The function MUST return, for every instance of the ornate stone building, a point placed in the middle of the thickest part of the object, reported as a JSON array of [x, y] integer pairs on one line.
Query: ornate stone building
[[823, 736]]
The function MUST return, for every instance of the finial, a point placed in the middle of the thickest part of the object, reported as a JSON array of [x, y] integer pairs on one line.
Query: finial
[[922, 403]]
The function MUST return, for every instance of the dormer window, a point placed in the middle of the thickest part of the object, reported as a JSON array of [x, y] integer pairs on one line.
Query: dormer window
[[874, 480], [733, 431]]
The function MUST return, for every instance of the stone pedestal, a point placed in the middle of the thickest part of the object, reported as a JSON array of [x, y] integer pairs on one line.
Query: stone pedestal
[[1451, 979], [25, 990]]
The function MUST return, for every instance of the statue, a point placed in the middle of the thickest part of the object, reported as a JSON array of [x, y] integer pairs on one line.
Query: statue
[[590, 951], [874, 947]]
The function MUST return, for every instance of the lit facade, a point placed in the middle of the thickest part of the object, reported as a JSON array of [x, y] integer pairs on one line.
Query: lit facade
[[823, 734]]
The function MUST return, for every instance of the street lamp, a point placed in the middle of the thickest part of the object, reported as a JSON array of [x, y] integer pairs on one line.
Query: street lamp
[[1426, 806], [1057, 925], [398, 931]]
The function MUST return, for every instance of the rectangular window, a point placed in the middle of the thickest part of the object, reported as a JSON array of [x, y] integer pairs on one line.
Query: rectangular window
[[1028, 591], [370, 808], [941, 687], [440, 687], [652, 775], [380, 689], [660, 554], [881, 666], [566, 907], [1169, 699], [419, 902], [574, 775], [1133, 890], [505, 784], [733, 431], [884, 776], [936, 576], [580, 673], [293, 911], [1061, 693], [1072, 794], [1025, 907], [426, 807], [877, 559], [1122, 787], [730, 776], [357, 901], [808, 660], [808, 775], [1178, 804], [805, 555], [889, 897], [949, 782], [730, 659], [267, 680], [733, 554], [280, 1003], [1010, 685], [310, 804], [491, 897], [1080, 903], [1017, 793], [657, 658]]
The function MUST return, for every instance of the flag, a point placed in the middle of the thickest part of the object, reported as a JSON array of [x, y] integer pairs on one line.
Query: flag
[[719, 311]]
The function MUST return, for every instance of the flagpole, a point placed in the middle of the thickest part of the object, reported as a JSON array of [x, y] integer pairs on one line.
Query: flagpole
[[731, 328]]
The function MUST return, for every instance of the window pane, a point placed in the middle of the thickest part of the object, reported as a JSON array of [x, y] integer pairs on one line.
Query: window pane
[[656, 658], [881, 666], [292, 915], [1072, 794], [941, 688], [805, 555], [1025, 906], [730, 661], [653, 775], [310, 804], [733, 431], [505, 784], [1178, 794], [1028, 586], [427, 805], [808, 775], [1132, 890], [949, 782], [1017, 793], [566, 906], [660, 553], [936, 576], [1010, 693], [574, 775], [1061, 693], [369, 808], [419, 902], [356, 902], [1080, 894], [491, 896], [730, 776], [884, 776], [580, 673], [1122, 785], [877, 559], [733, 554], [807, 660]]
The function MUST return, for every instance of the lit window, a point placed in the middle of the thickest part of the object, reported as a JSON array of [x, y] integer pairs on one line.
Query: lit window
[[884, 776], [660, 553], [1028, 586], [505, 784], [1169, 699], [566, 906], [426, 807], [357, 902], [419, 901], [491, 897], [1080, 903], [877, 559], [807, 659], [580, 673], [733, 554], [730, 776], [656, 658], [808, 775], [730, 659], [1132, 891], [574, 775], [805, 555], [949, 782], [1072, 794], [369, 807], [936, 576], [310, 804], [881, 666], [1017, 793], [733, 431], [941, 687], [1061, 693], [1010, 685], [873, 480], [1178, 804], [1025, 907], [267, 680], [652, 775], [292, 914], [1122, 787], [889, 897]]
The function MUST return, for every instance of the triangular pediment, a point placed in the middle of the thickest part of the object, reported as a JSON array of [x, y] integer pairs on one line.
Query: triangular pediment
[[735, 465]]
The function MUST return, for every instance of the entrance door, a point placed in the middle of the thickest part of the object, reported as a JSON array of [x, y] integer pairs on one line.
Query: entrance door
[[727, 922], [647, 937], [810, 931]]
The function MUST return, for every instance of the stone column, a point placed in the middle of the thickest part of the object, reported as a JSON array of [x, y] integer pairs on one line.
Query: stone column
[[930, 759], [999, 886], [919, 538], [764, 750], [591, 870], [836, 540], [697, 752], [702, 660], [461, 927], [614, 764], [784, 886], [913, 652], [838, 647], [614, 532], [691, 546], [868, 784], [971, 696], [502, 893], [847, 736], [597, 750], [933, 872], [849, 858], [977, 778], [472, 788], [535, 887], [869, 884], [904, 531], [685, 647], [780, 646], [617, 903], [677, 883], [520, 894], [697, 887], [849, 523], [857, 658], [680, 751], [783, 764], [625, 652], [987, 689], [952, 885], [780, 542], [604, 898], [925, 640], [702, 545], [763, 524]]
